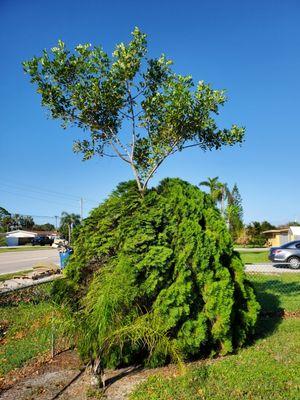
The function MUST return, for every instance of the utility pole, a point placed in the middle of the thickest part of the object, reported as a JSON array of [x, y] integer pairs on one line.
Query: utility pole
[[56, 218], [81, 208]]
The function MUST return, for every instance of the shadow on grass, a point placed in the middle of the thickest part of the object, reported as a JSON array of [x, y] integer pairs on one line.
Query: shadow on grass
[[275, 295]]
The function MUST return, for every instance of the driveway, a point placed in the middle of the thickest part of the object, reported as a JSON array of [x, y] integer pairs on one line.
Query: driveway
[[268, 268], [11, 262]]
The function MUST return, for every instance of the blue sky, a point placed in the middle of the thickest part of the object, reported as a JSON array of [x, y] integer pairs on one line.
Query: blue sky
[[249, 48]]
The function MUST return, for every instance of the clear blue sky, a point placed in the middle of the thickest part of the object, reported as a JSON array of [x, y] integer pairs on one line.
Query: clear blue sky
[[251, 48]]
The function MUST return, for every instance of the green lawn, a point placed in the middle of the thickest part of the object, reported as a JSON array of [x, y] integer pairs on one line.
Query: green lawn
[[274, 292], [29, 248], [267, 370], [25, 326], [251, 257]]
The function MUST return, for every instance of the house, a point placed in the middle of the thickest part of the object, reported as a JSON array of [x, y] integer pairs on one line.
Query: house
[[278, 237], [19, 237]]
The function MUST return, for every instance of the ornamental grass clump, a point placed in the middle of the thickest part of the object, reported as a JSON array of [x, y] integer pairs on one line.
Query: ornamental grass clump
[[156, 278]]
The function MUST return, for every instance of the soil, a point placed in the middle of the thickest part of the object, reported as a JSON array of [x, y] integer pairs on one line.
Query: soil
[[65, 378]]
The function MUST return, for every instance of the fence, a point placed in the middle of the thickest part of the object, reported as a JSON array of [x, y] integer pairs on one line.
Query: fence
[[277, 286]]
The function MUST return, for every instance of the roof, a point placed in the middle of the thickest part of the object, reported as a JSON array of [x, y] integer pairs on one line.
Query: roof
[[295, 230], [283, 230], [20, 233]]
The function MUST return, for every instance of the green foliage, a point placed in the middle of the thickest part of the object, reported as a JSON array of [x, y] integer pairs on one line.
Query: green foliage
[[5, 220], [234, 212], [67, 223], [156, 278], [255, 232], [44, 227], [230, 202], [266, 370], [132, 107]]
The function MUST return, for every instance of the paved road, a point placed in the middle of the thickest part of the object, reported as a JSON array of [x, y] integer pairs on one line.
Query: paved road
[[268, 268], [251, 249], [22, 260]]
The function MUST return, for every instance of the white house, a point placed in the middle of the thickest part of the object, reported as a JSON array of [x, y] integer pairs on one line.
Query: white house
[[17, 237]]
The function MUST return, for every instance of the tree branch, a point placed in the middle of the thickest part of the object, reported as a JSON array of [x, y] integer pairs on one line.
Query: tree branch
[[118, 153], [153, 170], [131, 102]]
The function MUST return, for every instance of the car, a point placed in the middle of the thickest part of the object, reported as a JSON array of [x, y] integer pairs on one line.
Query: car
[[41, 241], [288, 254]]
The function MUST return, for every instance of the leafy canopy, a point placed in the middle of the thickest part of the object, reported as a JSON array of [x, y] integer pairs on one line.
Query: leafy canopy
[[130, 106]]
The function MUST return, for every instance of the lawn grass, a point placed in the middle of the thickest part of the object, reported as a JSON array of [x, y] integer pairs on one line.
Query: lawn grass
[[269, 369], [251, 257], [25, 326], [29, 248], [275, 292]]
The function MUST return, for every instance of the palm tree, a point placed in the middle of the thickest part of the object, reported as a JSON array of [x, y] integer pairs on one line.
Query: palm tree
[[219, 191], [69, 220]]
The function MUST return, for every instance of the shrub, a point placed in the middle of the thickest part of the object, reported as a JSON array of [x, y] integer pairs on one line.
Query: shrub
[[3, 241], [156, 278]]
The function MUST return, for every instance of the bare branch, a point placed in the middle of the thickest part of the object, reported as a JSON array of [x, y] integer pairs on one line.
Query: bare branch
[[153, 170], [131, 103], [118, 153]]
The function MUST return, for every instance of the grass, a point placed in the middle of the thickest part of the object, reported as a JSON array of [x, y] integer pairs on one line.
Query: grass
[[267, 370], [276, 292], [251, 257], [25, 326], [29, 248]]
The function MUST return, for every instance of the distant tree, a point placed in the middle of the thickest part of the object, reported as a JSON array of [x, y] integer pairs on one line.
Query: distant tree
[[67, 223], [291, 223], [216, 188], [44, 227], [234, 212], [25, 222], [255, 232], [132, 107], [5, 220]]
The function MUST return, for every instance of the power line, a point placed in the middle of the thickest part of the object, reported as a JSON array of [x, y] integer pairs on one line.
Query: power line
[[36, 198], [39, 190]]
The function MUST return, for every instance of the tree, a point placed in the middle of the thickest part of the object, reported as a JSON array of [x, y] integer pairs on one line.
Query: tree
[[5, 219], [234, 212], [67, 223], [26, 222], [215, 188], [130, 106], [156, 279], [44, 227], [254, 232]]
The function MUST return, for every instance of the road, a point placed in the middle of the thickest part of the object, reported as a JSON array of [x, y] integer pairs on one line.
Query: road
[[268, 268], [11, 262], [23, 260]]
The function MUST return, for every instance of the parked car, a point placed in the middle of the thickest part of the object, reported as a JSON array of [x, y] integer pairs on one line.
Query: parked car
[[41, 241], [288, 253]]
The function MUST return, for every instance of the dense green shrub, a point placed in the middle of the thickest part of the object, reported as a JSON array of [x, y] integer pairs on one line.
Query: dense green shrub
[[156, 278]]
